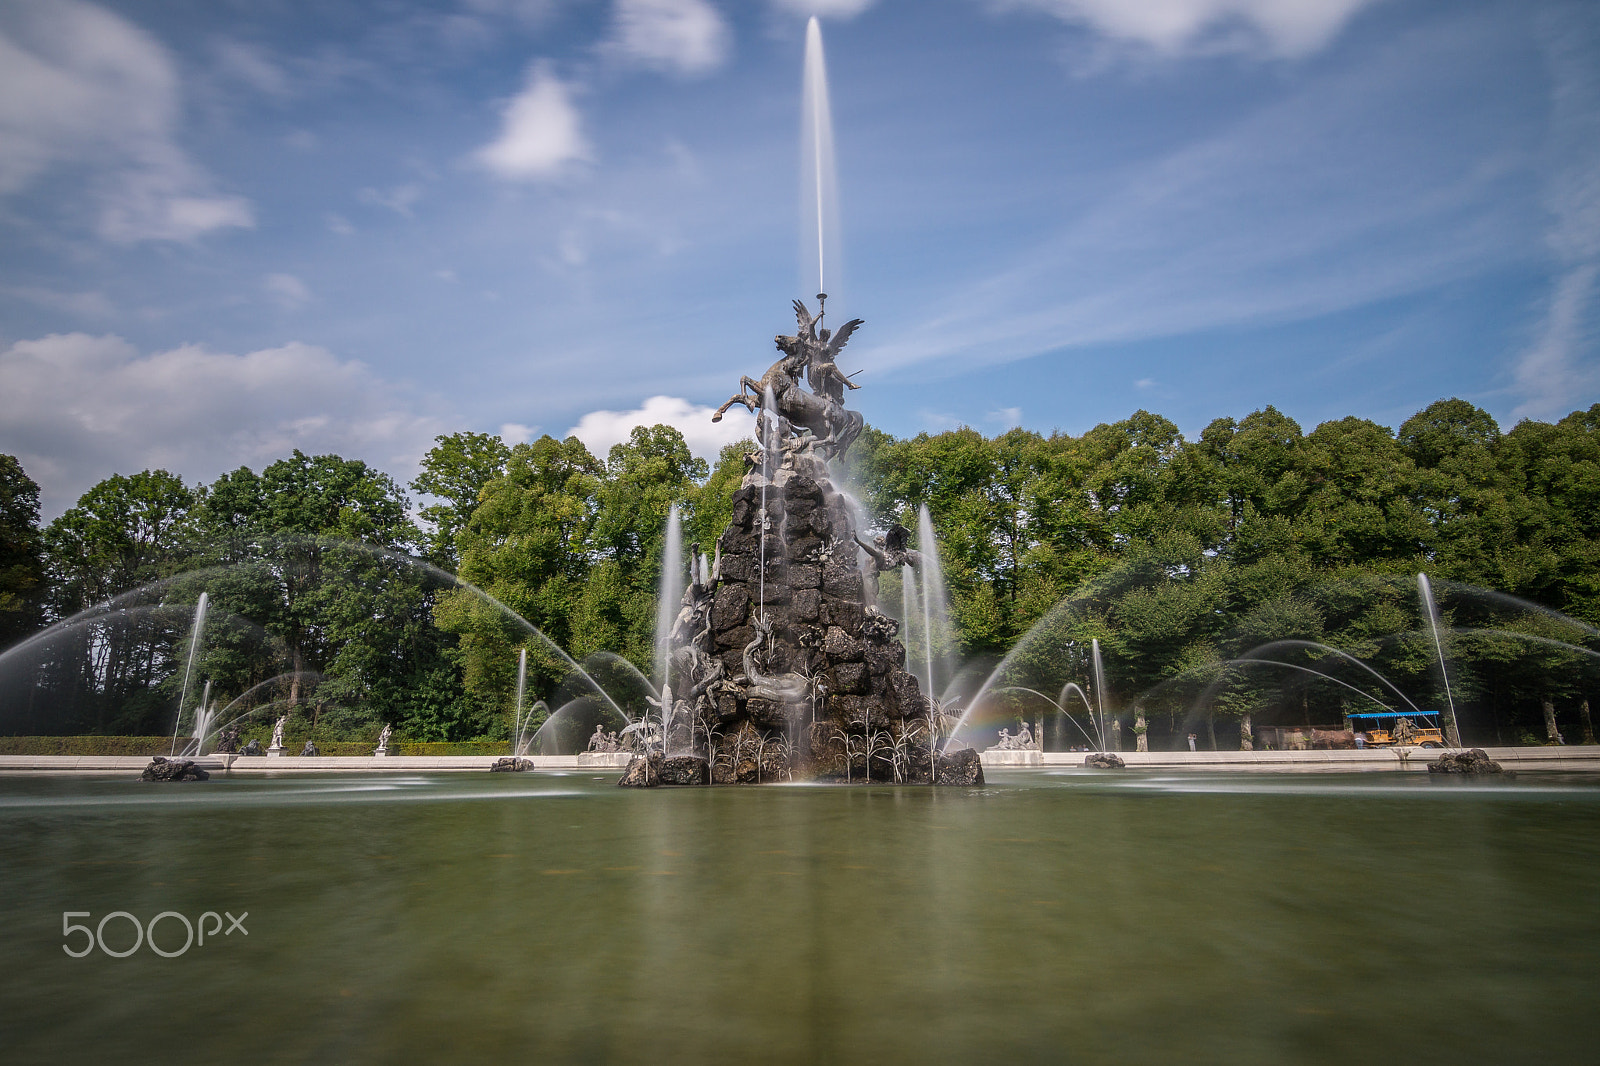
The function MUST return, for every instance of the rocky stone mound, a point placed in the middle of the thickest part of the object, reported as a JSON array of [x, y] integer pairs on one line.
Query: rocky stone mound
[[644, 771], [653, 770], [960, 768], [685, 770], [509, 765], [1104, 760], [164, 769], [1474, 761]]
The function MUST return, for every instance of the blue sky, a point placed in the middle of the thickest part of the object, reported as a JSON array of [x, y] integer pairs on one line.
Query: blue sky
[[228, 229]]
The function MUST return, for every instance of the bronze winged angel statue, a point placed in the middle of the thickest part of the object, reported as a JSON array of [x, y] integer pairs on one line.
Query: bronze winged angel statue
[[813, 354]]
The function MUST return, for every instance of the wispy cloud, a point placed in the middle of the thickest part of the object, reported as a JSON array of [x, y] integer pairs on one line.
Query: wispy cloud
[[83, 88], [81, 304], [1314, 204], [1282, 28], [541, 132], [677, 36], [1560, 366], [399, 199], [74, 408], [287, 291]]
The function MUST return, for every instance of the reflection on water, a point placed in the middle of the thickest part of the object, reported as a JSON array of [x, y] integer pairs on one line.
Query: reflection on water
[[1110, 917]]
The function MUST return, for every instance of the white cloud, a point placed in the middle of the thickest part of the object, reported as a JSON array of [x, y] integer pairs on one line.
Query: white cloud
[[287, 291], [540, 131], [75, 409], [1006, 417], [678, 36], [83, 88], [843, 9], [517, 433], [1172, 27], [599, 430]]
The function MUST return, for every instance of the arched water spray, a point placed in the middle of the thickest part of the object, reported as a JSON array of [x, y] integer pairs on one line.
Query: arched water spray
[[1099, 726], [1425, 592], [188, 667], [819, 181], [203, 715]]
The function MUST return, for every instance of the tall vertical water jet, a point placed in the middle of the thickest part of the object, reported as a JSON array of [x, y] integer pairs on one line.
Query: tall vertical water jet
[[671, 592], [908, 598], [517, 718], [935, 599], [767, 423], [819, 181], [188, 668], [1425, 593], [1099, 670]]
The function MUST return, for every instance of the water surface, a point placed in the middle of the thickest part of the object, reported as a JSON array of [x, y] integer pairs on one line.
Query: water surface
[[1046, 918]]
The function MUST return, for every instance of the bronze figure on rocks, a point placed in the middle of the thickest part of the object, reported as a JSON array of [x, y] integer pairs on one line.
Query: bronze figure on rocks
[[780, 666]]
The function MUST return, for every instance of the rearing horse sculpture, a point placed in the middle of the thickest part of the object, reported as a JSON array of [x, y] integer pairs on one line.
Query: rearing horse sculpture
[[834, 427]]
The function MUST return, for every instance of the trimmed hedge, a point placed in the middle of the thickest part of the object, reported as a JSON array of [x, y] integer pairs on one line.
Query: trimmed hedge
[[291, 746], [89, 745]]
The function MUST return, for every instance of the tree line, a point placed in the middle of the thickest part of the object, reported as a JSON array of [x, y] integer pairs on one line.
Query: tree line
[[332, 594]]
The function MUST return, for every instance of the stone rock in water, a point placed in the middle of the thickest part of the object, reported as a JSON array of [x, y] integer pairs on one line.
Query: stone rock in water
[[960, 768], [1104, 760], [1476, 761], [164, 769], [685, 770], [511, 765], [642, 772]]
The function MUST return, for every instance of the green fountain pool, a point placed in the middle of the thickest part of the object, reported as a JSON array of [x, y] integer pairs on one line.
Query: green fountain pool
[[1045, 918]]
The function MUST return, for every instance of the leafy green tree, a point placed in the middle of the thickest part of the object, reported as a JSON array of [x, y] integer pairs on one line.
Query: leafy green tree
[[112, 672], [314, 550], [527, 546], [455, 470], [21, 554], [123, 533], [711, 505]]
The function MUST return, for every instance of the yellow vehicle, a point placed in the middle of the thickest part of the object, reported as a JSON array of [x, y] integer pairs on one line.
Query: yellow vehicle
[[1389, 729]]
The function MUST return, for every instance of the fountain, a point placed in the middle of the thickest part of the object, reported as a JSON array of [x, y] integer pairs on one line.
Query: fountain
[[935, 600], [819, 183], [1431, 610], [779, 659], [188, 667]]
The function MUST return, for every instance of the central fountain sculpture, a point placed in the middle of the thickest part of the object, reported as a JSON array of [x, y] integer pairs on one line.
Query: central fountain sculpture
[[780, 665]]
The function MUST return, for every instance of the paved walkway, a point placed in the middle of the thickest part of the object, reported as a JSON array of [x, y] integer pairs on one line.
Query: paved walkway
[[1573, 757]]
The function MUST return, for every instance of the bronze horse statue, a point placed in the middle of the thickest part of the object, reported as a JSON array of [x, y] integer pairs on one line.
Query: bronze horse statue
[[834, 427]]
